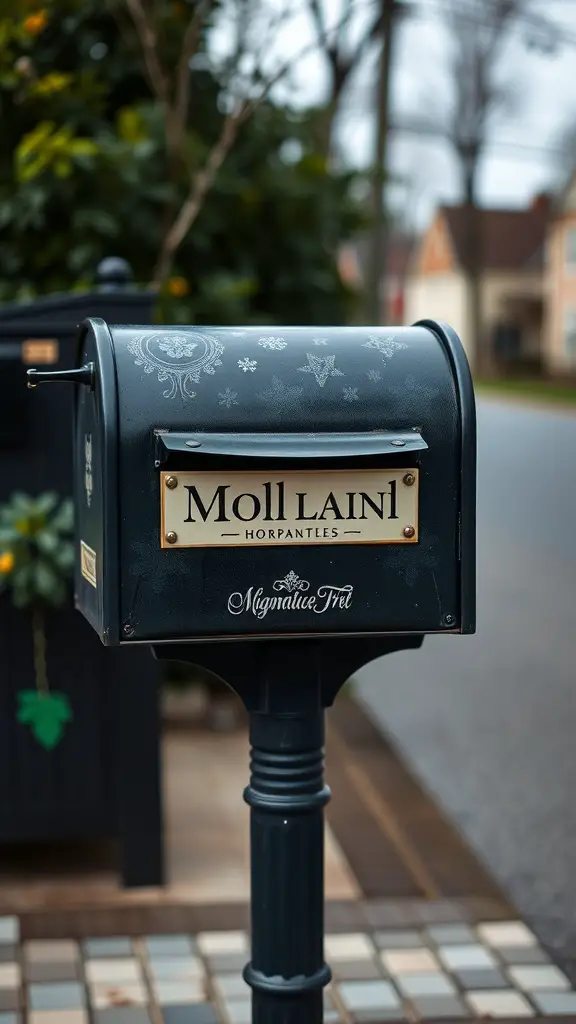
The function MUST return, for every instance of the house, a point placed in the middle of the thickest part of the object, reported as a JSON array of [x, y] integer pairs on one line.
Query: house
[[512, 285], [560, 334], [353, 259]]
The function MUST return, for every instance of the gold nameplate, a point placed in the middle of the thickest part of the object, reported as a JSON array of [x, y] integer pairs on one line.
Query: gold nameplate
[[39, 350], [238, 509]]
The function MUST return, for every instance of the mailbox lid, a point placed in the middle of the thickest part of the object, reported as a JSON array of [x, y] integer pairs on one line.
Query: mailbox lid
[[308, 380]]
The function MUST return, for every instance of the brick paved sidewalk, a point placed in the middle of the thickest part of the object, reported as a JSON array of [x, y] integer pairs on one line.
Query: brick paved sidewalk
[[420, 931]]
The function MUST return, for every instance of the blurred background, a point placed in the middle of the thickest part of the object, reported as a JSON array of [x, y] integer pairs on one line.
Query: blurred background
[[306, 162]]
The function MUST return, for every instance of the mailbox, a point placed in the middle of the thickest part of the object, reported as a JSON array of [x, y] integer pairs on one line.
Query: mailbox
[[246, 484]]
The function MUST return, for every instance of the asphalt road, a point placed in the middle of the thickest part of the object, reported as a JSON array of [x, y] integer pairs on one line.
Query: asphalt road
[[489, 722]]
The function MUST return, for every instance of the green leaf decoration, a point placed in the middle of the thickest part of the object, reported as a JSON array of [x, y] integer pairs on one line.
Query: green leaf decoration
[[46, 714]]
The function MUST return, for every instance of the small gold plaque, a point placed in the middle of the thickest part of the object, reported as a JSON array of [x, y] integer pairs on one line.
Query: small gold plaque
[[41, 351], [88, 563], [237, 509]]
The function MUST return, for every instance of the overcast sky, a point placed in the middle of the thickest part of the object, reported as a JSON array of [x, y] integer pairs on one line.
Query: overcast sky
[[514, 168]]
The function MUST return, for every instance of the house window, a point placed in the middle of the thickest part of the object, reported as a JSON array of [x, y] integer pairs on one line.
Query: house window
[[570, 335], [571, 250]]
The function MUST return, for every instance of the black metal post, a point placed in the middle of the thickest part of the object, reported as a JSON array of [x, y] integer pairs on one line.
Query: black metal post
[[287, 795]]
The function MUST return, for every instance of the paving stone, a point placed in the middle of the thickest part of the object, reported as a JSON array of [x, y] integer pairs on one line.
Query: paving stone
[[450, 934], [538, 978], [499, 1004], [223, 963], [116, 970], [436, 984], [238, 1011], [177, 992], [169, 945], [202, 1013], [368, 995], [63, 995], [356, 970], [123, 1015], [9, 929], [477, 978], [45, 971], [409, 961], [555, 1002], [524, 955], [177, 967], [222, 942], [56, 1017], [500, 934], [231, 986], [439, 1007], [9, 999], [105, 948], [51, 950], [398, 939], [355, 946], [130, 993], [458, 957], [10, 975]]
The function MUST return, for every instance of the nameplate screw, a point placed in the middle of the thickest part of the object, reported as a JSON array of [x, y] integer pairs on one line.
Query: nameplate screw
[[409, 479], [408, 531], [171, 482], [171, 537]]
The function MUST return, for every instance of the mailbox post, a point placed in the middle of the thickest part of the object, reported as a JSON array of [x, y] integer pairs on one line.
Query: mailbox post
[[280, 508]]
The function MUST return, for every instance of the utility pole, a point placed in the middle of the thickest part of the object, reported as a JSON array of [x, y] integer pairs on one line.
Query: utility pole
[[377, 248]]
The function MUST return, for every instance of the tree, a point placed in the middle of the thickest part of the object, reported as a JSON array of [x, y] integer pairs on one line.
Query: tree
[[343, 54], [480, 29], [93, 163]]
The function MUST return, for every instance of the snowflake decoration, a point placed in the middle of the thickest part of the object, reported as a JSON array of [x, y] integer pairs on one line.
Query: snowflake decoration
[[279, 396], [374, 375], [387, 346], [319, 341], [177, 346], [350, 394], [273, 343], [228, 398], [247, 365], [322, 367]]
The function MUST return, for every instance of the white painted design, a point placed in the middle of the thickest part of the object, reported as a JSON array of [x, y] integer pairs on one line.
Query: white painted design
[[177, 347], [322, 367], [180, 358], [387, 346], [276, 344], [281, 396], [248, 364], [350, 394], [374, 375], [88, 479], [291, 582], [296, 598], [319, 341], [237, 334], [228, 398]]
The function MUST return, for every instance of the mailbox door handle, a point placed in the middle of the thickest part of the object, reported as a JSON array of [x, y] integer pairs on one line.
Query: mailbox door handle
[[292, 446]]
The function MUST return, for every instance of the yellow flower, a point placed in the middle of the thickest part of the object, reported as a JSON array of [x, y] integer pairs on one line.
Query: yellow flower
[[34, 24], [178, 287], [51, 83], [6, 562]]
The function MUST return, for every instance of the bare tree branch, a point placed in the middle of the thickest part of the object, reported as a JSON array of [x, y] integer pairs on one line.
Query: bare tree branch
[[148, 40], [190, 46]]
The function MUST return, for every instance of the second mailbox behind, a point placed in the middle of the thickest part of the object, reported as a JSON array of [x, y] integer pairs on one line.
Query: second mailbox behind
[[249, 483]]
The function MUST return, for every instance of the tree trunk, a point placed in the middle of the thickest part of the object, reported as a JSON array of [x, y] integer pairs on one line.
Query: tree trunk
[[379, 235], [473, 268]]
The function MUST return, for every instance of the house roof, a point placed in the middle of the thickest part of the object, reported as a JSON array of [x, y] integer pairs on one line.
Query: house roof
[[510, 239]]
